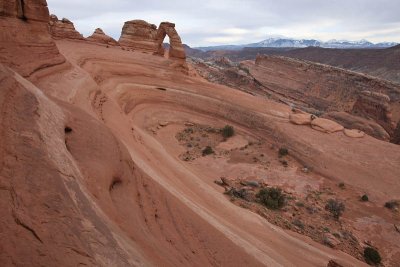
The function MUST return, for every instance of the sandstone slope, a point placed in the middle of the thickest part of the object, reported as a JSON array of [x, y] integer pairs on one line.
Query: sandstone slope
[[91, 173]]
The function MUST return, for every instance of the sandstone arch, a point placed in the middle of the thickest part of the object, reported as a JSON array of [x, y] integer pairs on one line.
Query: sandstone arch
[[176, 49]]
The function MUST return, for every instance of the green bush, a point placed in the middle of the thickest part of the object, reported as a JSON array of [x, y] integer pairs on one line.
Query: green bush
[[227, 131], [335, 207], [372, 256], [364, 198], [207, 151], [283, 151], [272, 197]]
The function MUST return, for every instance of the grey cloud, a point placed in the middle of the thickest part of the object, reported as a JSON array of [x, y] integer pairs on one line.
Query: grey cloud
[[202, 22]]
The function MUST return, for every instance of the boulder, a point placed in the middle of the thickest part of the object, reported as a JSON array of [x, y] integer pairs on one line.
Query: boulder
[[350, 121], [326, 126], [300, 118], [25, 43], [63, 29], [139, 35], [100, 37], [354, 133]]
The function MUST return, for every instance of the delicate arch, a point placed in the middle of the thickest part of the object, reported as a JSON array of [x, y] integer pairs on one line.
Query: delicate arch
[[176, 49]]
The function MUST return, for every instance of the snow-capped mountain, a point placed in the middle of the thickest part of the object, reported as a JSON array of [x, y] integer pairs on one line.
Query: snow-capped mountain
[[285, 42], [290, 42], [281, 41]]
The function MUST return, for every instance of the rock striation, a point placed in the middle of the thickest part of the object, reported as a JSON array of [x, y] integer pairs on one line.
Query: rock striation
[[375, 106], [63, 29], [100, 37], [24, 32], [139, 35]]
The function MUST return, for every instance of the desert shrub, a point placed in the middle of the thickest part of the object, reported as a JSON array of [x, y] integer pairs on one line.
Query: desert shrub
[[298, 223], [272, 197], [283, 151], [284, 163], [188, 130], [372, 256], [342, 185], [227, 131], [335, 207], [207, 151], [364, 198], [392, 204]]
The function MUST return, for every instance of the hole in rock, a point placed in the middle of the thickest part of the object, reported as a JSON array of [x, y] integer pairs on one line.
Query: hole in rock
[[115, 182], [67, 129]]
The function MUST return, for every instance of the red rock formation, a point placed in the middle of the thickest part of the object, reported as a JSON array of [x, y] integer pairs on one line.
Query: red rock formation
[[375, 106], [176, 49], [100, 37], [24, 32], [330, 89], [63, 29], [139, 35], [396, 135]]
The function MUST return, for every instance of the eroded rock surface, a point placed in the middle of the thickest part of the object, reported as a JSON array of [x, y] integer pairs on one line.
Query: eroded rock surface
[[330, 89], [375, 106], [63, 29], [100, 37], [24, 32], [139, 35]]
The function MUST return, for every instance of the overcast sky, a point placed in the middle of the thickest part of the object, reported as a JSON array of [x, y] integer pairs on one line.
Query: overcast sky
[[216, 22]]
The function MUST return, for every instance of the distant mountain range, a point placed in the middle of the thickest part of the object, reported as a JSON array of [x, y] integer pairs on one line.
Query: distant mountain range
[[281, 41]]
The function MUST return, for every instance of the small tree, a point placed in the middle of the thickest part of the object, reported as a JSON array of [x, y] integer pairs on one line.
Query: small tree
[[283, 151], [335, 207], [392, 204], [227, 131], [372, 256], [364, 198], [207, 151], [272, 197]]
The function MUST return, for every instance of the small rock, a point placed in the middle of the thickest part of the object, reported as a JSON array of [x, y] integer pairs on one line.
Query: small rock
[[305, 170], [226, 181], [250, 183], [219, 182], [334, 263], [326, 126], [163, 123], [354, 133], [397, 227], [330, 240], [300, 119]]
